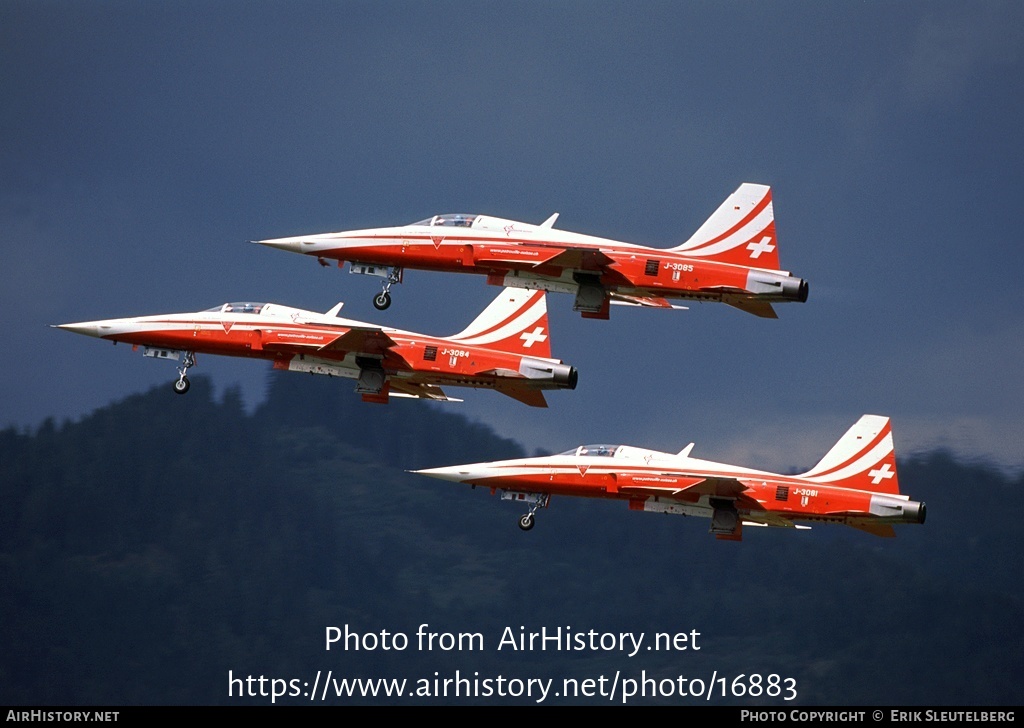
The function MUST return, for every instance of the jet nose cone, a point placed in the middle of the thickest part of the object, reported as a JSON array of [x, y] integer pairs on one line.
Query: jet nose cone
[[88, 328], [294, 245], [456, 473]]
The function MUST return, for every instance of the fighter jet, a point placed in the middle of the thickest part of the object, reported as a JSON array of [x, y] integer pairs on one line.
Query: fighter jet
[[506, 348], [854, 484], [733, 258]]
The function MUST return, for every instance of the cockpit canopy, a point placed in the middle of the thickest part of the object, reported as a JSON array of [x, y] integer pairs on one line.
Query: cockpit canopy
[[455, 219], [600, 451], [239, 307]]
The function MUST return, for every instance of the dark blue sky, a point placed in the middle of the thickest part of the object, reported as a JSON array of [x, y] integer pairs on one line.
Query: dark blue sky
[[143, 144]]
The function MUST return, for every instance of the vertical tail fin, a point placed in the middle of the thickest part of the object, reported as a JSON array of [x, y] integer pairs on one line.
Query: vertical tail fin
[[516, 322], [864, 458], [741, 231]]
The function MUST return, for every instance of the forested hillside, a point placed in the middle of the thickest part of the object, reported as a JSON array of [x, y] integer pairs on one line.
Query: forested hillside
[[163, 541]]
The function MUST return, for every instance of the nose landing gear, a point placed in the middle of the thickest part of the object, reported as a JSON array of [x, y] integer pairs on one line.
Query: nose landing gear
[[383, 299], [182, 384], [536, 500]]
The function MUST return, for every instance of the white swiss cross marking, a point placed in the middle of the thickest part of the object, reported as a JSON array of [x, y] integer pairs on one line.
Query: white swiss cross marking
[[762, 246], [532, 337], [877, 476]]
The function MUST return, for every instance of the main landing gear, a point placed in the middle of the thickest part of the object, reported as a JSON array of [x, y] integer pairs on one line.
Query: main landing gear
[[181, 386], [383, 299]]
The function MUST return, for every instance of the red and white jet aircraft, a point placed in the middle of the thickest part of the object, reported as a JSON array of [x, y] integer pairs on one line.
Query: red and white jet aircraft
[[732, 258], [506, 348], [854, 484]]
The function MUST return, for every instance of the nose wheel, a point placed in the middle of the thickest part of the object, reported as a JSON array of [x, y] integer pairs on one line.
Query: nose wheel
[[383, 299], [182, 384], [536, 500]]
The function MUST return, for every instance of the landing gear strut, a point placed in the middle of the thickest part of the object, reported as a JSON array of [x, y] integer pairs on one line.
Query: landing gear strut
[[528, 520], [181, 386], [383, 299]]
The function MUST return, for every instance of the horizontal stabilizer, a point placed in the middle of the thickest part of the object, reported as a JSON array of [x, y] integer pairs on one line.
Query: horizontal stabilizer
[[758, 308], [883, 530], [532, 397]]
